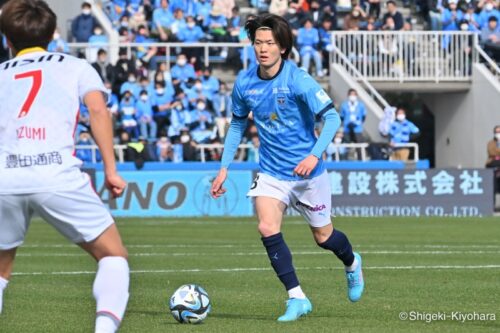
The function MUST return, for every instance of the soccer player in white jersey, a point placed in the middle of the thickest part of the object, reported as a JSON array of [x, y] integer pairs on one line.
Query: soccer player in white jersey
[[40, 94], [285, 101]]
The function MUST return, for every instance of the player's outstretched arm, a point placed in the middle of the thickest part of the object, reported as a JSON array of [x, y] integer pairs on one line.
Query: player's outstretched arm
[[331, 124], [233, 139], [102, 130]]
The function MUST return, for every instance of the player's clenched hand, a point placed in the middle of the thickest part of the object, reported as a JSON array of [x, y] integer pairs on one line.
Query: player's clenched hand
[[115, 184], [217, 190], [306, 166]]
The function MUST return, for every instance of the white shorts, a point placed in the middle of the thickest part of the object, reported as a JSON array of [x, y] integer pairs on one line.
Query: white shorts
[[310, 197], [78, 214]]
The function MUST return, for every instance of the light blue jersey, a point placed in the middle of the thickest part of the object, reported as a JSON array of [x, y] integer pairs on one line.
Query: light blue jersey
[[284, 110]]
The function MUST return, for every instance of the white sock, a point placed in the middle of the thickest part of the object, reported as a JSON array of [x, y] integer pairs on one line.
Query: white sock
[[3, 285], [353, 267], [296, 293], [111, 293]]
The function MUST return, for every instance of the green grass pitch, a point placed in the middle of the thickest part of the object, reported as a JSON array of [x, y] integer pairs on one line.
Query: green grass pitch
[[429, 266]]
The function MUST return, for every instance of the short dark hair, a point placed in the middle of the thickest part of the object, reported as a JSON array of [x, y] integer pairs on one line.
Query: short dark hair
[[352, 90], [492, 18], [391, 2], [28, 23], [280, 28]]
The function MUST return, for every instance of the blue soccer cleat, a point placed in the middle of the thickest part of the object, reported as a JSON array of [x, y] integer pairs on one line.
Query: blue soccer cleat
[[296, 308], [355, 281]]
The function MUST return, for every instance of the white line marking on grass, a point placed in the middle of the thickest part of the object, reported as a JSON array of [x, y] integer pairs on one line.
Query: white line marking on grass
[[239, 245], [204, 254], [258, 269]]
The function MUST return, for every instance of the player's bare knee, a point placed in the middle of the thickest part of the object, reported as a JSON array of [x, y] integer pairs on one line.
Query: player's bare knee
[[321, 235], [267, 229]]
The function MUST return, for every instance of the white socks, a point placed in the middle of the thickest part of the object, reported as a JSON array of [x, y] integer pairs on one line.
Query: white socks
[[111, 293], [296, 293], [3, 285], [353, 267]]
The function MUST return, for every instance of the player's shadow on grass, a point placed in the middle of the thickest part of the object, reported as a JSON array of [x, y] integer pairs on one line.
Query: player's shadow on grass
[[241, 316]]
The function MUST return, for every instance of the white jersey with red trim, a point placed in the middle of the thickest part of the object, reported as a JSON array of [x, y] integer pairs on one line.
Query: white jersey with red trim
[[40, 94]]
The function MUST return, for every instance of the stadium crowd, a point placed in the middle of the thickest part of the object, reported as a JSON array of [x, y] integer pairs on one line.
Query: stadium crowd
[[162, 113]]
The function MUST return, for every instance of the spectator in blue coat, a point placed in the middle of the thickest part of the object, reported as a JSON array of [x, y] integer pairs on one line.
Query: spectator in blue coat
[[402, 131], [161, 101], [180, 119], [489, 9], [58, 44], [451, 16], [203, 9], [83, 25], [130, 85], [182, 71], [144, 108], [128, 114], [86, 154], [353, 115], [162, 20], [308, 43], [201, 123], [192, 33], [210, 84]]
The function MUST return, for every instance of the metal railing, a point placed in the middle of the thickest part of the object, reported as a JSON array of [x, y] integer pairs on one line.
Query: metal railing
[[336, 156], [407, 55], [491, 64], [171, 49], [337, 56]]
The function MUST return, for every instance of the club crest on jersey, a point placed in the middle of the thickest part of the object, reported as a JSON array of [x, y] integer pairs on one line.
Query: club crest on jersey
[[273, 116]]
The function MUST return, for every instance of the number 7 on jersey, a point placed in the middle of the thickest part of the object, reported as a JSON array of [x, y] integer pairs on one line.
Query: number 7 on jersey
[[35, 88]]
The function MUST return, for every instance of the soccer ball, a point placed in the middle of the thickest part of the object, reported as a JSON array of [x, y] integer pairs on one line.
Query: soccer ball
[[190, 304]]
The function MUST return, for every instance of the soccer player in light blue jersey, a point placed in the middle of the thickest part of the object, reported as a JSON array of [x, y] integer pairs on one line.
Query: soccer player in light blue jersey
[[285, 101]]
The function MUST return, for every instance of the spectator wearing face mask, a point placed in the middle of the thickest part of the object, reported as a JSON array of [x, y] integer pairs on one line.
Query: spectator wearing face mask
[[83, 25], [353, 115], [97, 41], [210, 84], [192, 33], [201, 123], [128, 114], [161, 101], [353, 20], [493, 149], [402, 131], [103, 67], [180, 119], [333, 149], [182, 70], [147, 125], [489, 9], [86, 154], [57, 44], [130, 85], [451, 17]]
